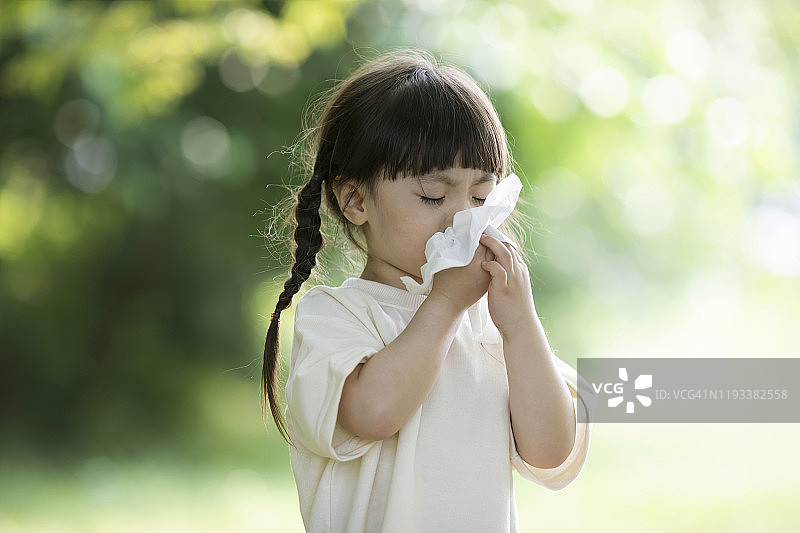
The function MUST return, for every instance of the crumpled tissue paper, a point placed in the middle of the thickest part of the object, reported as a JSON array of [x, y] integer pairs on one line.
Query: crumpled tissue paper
[[455, 247]]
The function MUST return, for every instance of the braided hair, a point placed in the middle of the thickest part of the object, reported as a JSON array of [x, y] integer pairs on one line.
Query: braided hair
[[402, 114], [308, 237]]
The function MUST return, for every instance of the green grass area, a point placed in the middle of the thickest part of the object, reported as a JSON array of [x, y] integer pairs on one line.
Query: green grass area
[[676, 477], [105, 496], [639, 477]]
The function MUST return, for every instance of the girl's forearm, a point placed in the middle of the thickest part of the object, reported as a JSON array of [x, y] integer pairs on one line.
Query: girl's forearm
[[381, 394], [542, 413]]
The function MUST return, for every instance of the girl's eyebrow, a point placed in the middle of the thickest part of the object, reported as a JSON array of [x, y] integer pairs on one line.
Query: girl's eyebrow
[[445, 178]]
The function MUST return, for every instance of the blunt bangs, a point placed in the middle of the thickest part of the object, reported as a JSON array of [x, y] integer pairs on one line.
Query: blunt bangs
[[428, 120]]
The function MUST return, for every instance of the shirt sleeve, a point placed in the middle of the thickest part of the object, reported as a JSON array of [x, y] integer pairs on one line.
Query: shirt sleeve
[[583, 400], [329, 342]]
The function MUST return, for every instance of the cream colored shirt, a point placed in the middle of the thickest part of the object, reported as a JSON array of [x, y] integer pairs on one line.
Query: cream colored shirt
[[449, 468]]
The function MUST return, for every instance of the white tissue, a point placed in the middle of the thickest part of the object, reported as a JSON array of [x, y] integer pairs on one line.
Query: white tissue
[[455, 247]]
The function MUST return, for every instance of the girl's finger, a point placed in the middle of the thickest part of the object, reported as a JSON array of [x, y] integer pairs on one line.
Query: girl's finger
[[501, 252], [497, 272], [516, 258]]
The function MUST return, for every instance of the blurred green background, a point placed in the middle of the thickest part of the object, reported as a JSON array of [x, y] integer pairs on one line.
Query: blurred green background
[[144, 145]]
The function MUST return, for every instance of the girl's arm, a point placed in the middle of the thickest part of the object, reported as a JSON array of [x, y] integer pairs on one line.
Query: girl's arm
[[542, 413], [382, 394]]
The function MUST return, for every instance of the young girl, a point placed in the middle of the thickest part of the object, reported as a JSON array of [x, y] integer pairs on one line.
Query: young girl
[[399, 419]]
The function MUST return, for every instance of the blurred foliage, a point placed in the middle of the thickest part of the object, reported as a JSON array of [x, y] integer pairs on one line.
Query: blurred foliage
[[144, 144], [131, 174]]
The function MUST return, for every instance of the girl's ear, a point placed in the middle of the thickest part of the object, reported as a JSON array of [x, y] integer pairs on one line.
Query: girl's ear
[[351, 202]]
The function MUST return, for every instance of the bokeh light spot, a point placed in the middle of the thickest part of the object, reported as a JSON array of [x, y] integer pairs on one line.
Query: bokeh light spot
[[91, 164], [772, 239], [728, 121], [630, 31], [648, 207], [149, 45], [290, 46], [204, 141], [666, 99], [605, 91], [689, 53], [251, 30], [237, 75], [575, 61]]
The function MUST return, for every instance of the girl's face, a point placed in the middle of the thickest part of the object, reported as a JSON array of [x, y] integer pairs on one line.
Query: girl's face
[[403, 214]]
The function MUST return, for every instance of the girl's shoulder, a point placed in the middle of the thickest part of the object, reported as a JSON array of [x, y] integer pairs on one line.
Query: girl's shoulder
[[323, 307], [356, 307], [320, 297], [320, 291], [357, 293]]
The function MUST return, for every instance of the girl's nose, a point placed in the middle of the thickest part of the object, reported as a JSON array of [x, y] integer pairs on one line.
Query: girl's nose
[[460, 206]]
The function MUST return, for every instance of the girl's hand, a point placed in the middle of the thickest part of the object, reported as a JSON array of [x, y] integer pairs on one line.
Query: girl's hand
[[463, 286], [510, 295]]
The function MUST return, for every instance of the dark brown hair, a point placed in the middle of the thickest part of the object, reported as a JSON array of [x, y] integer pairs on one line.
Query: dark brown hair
[[403, 114]]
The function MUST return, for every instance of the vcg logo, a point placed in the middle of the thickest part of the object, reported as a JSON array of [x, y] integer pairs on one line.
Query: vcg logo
[[644, 381]]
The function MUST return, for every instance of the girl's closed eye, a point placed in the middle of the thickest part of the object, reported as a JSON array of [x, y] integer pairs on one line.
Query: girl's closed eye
[[438, 201], [433, 201]]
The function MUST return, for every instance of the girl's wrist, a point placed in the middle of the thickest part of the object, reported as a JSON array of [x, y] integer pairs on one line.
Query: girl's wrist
[[444, 304], [523, 331]]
